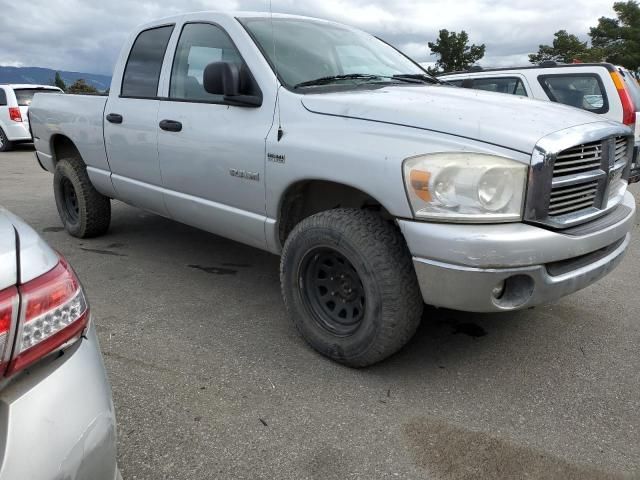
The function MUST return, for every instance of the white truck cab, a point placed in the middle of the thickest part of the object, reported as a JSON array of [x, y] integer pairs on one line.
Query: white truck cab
[[14, 106]]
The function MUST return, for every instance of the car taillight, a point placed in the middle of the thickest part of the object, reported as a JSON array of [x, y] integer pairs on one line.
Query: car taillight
[[53, 311], [628, 107], [14, 114], [8, 309]]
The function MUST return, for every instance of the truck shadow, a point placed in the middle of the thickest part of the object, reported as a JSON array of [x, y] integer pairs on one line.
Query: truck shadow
[[445, 337]]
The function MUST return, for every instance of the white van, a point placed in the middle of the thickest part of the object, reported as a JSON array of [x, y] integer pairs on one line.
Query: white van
[[14, 105]]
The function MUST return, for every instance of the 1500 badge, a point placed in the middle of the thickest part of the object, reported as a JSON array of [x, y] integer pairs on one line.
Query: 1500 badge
[[234, 172], [275, 157]]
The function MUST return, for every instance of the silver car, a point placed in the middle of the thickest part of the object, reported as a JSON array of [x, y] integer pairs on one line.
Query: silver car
[[57, 419]]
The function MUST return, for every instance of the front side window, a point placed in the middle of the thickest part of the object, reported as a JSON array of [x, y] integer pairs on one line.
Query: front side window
[[306, 50], [583, 90], [142, 72], [510, 85], [200, 44]]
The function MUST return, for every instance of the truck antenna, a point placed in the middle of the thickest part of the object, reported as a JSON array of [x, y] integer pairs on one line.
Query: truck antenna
[[275, 66]]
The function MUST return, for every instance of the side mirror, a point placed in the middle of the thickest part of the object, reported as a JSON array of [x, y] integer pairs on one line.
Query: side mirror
[[229, 80], [222, 78]]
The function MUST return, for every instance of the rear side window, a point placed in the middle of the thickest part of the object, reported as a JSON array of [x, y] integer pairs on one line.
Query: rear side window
[[580, 90], [200, 44], [3, 98], [24, 96], [142, 72], [510, 85]]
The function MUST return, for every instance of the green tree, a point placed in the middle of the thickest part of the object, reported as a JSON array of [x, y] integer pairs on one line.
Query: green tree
[[619, 38], [82, 88], [454, 52], [58, 82], [565, 48]]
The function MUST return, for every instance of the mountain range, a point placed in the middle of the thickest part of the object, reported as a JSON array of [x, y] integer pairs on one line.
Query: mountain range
[[45, 76]]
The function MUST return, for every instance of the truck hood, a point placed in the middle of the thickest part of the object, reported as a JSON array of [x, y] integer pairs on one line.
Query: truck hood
[[505, 120]]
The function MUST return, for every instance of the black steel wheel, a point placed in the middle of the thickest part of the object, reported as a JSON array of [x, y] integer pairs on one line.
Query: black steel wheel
[[332, 290], [70, 201]]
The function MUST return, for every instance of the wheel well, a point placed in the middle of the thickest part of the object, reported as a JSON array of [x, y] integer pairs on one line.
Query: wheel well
[[62, 147], [307, 198]]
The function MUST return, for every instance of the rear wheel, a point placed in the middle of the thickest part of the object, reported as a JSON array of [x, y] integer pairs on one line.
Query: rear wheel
[[349, 286], [83, 210], [5, 144]]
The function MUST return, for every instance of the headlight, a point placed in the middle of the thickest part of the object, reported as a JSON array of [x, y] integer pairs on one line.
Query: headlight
[[465, 187]]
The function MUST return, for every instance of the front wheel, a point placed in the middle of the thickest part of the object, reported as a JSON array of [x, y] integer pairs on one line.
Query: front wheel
[[349, 286], [84, 211]]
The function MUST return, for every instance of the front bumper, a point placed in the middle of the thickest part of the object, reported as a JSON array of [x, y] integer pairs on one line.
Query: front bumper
[[57, 420], [492, 268]]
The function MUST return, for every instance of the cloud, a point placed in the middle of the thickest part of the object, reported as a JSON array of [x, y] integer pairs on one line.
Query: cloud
[[86, 35]]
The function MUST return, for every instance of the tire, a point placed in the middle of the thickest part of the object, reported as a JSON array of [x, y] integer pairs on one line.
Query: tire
[[334, 254], [84, 212], [5, 143]]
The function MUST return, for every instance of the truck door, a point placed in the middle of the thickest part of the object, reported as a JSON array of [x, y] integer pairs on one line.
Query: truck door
[[131, 123], [212, 153]]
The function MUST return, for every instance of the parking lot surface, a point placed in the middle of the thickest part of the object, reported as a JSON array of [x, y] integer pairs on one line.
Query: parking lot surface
[[210, 379]]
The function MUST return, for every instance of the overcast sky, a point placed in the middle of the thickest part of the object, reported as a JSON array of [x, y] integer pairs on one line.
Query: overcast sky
[[86, 35]]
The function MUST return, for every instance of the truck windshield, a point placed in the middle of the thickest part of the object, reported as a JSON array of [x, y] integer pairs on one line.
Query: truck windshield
[[309, 53], [24, 96]]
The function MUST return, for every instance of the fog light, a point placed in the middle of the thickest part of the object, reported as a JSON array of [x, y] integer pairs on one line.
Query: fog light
[[498, 290], [513, 292]]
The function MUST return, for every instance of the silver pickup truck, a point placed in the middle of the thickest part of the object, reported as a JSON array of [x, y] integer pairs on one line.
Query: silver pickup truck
[[380, 188]]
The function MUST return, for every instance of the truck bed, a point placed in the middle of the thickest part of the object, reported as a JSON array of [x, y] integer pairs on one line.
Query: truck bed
[[78, 117]]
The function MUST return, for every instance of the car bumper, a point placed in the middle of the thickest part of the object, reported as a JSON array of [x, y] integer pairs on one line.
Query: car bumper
[[17, 131], [57, 421], [492, 268]]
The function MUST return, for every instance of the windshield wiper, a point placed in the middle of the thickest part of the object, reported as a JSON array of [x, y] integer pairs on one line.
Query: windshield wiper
[[333, 78], [419, 77]]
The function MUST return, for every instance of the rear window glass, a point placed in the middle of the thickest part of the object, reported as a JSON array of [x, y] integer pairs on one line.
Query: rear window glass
[[510, 85], [25, 95], [142, 72], [582, 90]]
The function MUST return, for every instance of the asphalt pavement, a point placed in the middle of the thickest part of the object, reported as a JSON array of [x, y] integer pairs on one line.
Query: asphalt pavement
[[210, 379]]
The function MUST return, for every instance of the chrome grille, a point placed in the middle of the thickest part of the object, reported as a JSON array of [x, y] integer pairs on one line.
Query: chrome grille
[[575, 175], [572, 198], [581, 158], [621, 148], [577, 160]]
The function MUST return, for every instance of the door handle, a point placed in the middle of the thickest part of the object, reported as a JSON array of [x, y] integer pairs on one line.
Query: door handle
[[114, 118], [171, 125]]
